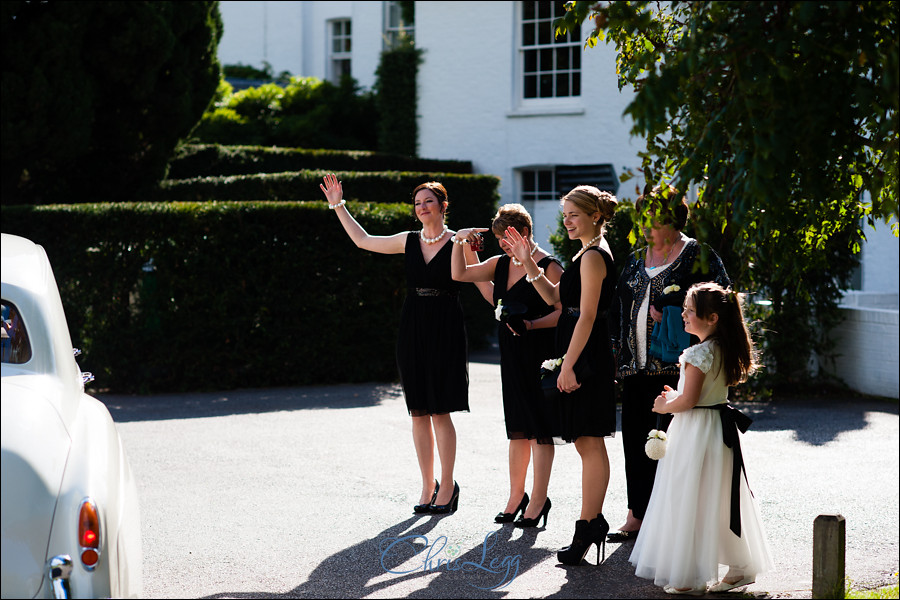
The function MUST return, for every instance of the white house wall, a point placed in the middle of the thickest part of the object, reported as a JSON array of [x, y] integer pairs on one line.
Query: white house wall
[[469, 104], [880, 257], [293, 36]]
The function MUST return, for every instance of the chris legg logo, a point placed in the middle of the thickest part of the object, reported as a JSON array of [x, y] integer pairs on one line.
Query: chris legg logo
[[401, 549]]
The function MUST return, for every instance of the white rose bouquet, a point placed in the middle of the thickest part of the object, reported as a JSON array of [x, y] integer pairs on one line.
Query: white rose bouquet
[[552, 364], [656, 444]]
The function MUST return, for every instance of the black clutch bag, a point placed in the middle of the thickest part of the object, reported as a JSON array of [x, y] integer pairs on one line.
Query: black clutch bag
[[549, 379], [548, 383], [513, 314]]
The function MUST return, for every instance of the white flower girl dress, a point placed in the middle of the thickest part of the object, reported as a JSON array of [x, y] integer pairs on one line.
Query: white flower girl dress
[[685, 535]]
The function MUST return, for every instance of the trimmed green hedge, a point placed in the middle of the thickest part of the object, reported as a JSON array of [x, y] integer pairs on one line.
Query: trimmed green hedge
[[473, 198], [210, 160], [168, 297]]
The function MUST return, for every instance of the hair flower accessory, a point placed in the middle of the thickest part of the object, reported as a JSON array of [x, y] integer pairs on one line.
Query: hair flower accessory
[[671, 289], [656, 444]]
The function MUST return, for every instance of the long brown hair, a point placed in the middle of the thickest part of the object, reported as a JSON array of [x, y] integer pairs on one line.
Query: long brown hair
[[739, 359]]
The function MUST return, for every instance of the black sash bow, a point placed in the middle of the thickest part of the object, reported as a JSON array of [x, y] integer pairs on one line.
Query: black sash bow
[[732, 421]]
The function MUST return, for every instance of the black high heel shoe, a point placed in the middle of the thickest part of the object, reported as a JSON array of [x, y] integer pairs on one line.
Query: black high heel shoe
[[586, 534], [426, 508], [505, 517], [545, 512], [443, 509]]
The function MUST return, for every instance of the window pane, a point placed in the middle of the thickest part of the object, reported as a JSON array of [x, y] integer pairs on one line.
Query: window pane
[[576, 58], [546, 63], [562, 59], [562, 84], [544, 10], [530, 90], [528, 35], [546, 86], [15, 348], [576, 84], [545, 181], [531, 61], [528, 10], [528, 181], [545, 32]]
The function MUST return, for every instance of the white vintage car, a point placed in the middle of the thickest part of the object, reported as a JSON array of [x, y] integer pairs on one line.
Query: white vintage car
[[70, 520]]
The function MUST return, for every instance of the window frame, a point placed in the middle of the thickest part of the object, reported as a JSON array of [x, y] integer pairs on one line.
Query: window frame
[[391, 31], [570, 104], [338, 57]]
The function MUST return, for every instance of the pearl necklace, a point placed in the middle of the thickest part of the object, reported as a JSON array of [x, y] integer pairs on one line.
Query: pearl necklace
[[433, 240], [519, 264], [586, 246]]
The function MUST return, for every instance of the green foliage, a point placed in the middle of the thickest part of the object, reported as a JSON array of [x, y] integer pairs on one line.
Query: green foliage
[[242, 71], [306, 112], [204, 160], [396, 98], [780, 114], [96, 95], [235, 294]]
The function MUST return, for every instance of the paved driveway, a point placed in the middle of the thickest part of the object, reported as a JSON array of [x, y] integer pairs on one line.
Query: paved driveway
[[308, 492]]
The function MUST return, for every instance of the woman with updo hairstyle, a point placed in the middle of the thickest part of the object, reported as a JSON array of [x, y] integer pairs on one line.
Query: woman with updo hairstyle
[[432, 350], [586, 403], [526, 339], [651, 288]]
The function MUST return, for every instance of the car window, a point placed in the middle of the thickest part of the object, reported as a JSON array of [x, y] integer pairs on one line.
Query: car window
[[15, 348]]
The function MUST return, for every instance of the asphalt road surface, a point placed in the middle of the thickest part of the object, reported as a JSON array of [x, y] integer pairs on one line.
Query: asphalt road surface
[[308, 492]]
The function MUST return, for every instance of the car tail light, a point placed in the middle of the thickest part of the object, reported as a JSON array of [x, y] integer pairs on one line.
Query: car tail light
[[89, 534]]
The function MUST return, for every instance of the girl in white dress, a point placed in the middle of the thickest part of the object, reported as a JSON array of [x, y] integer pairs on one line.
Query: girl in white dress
[[701, 512]]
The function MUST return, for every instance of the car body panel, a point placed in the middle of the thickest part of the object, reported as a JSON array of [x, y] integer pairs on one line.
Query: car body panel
[[30, 485], [60, 446]]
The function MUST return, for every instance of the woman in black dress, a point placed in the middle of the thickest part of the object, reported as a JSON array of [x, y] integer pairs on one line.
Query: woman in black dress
[[432, 351], [526, 340], [587, 407]]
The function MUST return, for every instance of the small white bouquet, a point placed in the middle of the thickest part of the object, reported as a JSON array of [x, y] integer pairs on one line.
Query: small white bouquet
[[551, 364], [656, 444], [498, 312]]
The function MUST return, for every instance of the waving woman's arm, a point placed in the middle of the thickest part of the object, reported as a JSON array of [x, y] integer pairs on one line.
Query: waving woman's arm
[[390, 244]]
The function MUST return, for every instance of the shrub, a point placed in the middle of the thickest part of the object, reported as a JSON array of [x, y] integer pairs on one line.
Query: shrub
[[306, 112], [204, 160], [473, 198], [201, 296], [96, 95]]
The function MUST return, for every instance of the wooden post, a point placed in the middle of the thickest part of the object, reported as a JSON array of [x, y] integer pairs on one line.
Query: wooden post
[[829, 549]]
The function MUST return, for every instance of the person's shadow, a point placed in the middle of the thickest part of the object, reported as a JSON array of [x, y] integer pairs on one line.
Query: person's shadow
[[405, 551]]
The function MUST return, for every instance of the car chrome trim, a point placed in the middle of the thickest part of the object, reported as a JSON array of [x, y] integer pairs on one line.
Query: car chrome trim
[[59, 570]]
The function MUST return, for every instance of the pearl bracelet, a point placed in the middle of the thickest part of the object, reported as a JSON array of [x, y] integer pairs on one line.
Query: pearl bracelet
[[334, 206], [461, 242], [536, 277]]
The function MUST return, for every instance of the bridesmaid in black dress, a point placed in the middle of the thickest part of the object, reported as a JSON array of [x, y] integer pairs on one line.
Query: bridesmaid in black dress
[[525, 342], [432, 352], [586, 378]]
